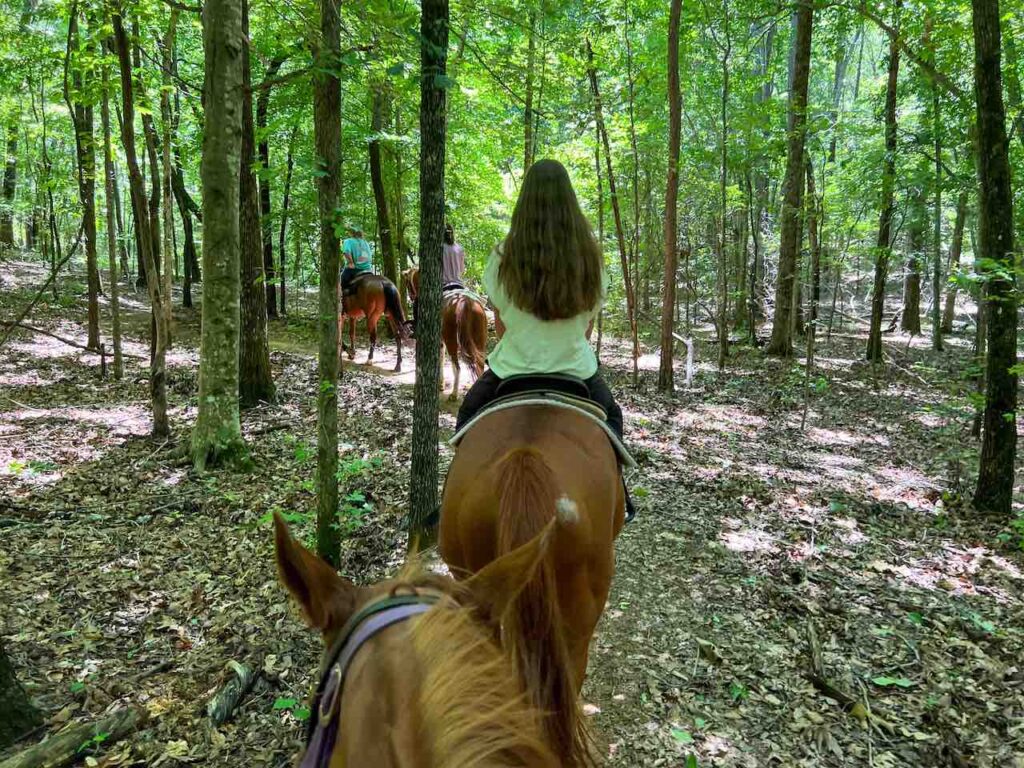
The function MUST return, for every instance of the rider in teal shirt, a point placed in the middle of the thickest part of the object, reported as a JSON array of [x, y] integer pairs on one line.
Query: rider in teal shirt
[[358, 257]]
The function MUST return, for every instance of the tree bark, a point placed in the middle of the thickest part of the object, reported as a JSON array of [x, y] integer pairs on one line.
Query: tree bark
[[255, 384], [955, 248], [910, 320], [994, 492], [666, 376], [109, 173], [289, 165], [1013, 91], [17, 714], [723, 263], [433, 117], [620, 236], [387, 245], [262, 106], [158, 368], [531, 57], [937, 225], [327, 136], [782, 335], [165, 158], [217, 435], [85, 154], [883, 247], [10, 186]]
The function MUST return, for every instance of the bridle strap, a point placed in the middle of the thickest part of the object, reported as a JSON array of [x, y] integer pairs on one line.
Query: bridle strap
[[325, 711]]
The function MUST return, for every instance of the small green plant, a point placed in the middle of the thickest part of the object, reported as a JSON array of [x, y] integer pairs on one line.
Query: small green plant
[[93, 742], [291, 705], [888, 682], [738, 691]]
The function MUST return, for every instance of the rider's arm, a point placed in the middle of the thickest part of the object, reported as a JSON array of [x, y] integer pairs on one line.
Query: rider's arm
[[499, 327], [590, 329]]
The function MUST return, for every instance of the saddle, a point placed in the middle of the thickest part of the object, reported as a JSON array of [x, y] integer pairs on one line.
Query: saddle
[[454, 285], [549, 390], [353, 285]]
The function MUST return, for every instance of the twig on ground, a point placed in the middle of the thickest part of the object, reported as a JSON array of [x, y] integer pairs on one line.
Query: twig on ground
[[230, 694]]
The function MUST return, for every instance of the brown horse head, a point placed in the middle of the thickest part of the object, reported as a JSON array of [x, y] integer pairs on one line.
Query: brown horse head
[[433, 691], [512, 474], [373, 296]]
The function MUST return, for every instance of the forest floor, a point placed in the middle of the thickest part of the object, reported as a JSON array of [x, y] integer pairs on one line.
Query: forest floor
[[125, 577]]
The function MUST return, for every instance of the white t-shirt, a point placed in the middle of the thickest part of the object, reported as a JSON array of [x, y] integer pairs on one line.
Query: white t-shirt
[[532, 345]]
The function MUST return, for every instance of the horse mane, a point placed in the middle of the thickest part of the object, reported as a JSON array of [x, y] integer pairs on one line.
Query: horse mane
[[474, 710], [531, 632]]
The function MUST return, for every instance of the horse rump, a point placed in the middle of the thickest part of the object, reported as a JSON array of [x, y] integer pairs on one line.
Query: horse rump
[[471, 330]]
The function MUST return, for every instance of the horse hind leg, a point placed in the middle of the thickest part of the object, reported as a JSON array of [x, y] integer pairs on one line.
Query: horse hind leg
[[372, 328], [351, 338], [454, 396]]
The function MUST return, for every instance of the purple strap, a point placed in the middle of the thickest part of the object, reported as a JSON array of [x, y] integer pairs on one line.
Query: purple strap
[[318, 753]]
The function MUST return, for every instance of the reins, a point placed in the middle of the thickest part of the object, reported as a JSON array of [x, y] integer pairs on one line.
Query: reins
[[322, 730]]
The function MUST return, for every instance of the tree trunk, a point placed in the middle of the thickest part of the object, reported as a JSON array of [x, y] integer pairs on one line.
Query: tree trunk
[[814, 213], [255, 384], [937, 221], [955, 247], [262, 106], [290, 164], [433, 117], [782, 339], [217, 435], [723, 263], [85, 154], [1013, 94], [327, 135], [165, 158], [616, 211], [994, 493], [884, 244], [10, 186], [531, 57], [18, 716], [387, 245], [109, 174], [666, 378], [157, 366], [917, 220], [155, 187]]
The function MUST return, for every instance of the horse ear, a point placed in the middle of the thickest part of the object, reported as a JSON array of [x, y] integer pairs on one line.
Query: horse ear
[[326, 598], [499, 583]]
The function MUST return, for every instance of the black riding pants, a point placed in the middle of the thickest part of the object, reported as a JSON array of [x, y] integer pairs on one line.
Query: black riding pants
[[485, 390]]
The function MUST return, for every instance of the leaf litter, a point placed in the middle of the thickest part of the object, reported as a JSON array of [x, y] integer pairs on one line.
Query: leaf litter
[[128, 578]]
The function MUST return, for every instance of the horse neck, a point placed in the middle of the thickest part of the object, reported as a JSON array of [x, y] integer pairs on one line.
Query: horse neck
[[438, 693]]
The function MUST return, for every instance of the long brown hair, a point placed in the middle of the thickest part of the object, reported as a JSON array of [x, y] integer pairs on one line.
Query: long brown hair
[[550, 260]]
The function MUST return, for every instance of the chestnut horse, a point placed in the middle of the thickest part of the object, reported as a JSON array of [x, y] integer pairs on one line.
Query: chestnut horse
[[374, 296], [463, 330], [514, 472], [414, 675]]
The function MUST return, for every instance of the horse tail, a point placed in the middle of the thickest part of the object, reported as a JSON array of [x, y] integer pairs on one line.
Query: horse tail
[[471, 331], [393, 304], [532, 627]]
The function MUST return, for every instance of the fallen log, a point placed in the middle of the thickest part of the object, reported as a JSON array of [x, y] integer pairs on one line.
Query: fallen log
[[77, 740]]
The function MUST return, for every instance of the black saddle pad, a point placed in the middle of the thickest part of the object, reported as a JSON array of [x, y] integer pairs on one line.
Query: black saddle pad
[[353, 284], [546, 382], [452, 286]]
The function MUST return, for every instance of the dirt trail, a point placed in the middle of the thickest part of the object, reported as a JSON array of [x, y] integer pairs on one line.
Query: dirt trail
[[126, 577]]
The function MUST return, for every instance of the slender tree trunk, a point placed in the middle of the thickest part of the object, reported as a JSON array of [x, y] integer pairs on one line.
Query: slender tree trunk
[[18, 716], [782, 339], [723, 264], [528, 110], [262, 107], [255, 384], [286, 198], [994, 493], [884, 245], [600, 229], [155, 187], [122, 246], [814, 213], [616, 212], [108, 176], [1013, 91], [10, 186], [387, 245], [327, 136], [158, 368], [666, 378], [433, 117], [165, 158], [955, 247], [916, 228], [937, 225]]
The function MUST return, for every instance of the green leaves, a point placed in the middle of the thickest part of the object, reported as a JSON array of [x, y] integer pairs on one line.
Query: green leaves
[[683, 737], [888, 682]]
